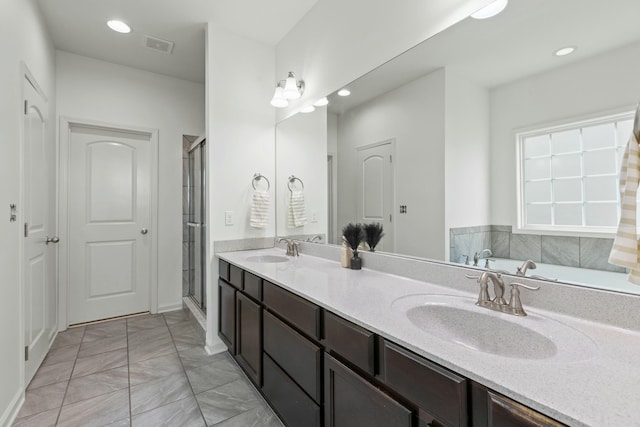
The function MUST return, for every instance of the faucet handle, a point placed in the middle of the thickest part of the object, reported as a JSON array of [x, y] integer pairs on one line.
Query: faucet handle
[[483, 296], [514, 302]]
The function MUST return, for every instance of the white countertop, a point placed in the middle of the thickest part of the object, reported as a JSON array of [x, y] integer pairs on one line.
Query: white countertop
[[594, 380]]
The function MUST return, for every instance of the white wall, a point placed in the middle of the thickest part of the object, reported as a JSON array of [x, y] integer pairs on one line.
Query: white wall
[[240, 130], [338, 41], [302, 151], [596, 85], [467, 161], [413, 115], [23, 37], [101, 91]]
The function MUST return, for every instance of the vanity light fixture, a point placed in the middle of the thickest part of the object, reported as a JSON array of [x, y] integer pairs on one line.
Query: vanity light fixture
[[344, 92], [565, 51], [490, 10], [321, 102], [119, 26], [308, 109], [290, 88]]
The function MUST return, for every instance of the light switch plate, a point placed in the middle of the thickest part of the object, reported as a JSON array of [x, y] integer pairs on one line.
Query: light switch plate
[[228, 217]]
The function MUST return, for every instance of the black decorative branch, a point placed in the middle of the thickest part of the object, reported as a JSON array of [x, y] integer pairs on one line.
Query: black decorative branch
[[373, 234], [353, 234]]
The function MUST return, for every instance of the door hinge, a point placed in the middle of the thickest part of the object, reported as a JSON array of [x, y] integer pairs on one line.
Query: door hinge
[[26, 229], [26, 105], [389, 217], [26, 353], [390, 158]]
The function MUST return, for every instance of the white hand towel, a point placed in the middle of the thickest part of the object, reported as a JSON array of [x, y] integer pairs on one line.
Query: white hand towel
[[297, 215], [259, 210], [625, 248]]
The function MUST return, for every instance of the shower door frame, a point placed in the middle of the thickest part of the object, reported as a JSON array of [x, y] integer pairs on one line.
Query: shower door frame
[[198, 227]]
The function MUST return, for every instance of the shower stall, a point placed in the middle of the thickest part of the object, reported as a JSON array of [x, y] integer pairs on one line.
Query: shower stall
[[195, 224]]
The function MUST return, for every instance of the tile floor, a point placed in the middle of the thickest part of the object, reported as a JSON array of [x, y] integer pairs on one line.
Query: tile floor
[[148, 370]]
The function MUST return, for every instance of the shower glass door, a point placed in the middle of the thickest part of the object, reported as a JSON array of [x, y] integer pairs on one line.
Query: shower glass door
[[196, 222]]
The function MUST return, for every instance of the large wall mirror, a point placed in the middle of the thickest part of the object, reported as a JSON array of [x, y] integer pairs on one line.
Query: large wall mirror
[[427, 143]]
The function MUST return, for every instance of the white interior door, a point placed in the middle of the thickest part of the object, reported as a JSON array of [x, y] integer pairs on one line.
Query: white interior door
[[109, 217], [38, 257], [375, 190]]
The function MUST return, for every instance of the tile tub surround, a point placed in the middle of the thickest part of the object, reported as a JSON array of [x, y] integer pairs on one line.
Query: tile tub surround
[[147, 370], [608, 377]]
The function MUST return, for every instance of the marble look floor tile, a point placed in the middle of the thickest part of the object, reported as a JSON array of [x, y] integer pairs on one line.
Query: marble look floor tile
[[93, 385], [148, 335], [61, 354], [150, 350], [153, 369], [42, 399], [153, 394], [260, 416], [100, 362], [183, 413], [97, 411], [100, 331], [193, 356], [126, 422], [227, 401], [43, 419], [177, 316], [50, 374], [145, 322], [212, 375], [69, 337], [102, 346]]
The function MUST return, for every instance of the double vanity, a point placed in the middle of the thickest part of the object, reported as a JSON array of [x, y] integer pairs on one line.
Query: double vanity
[[329, 346]]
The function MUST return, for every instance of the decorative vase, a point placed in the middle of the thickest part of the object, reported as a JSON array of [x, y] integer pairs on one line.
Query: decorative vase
[[356, 262]]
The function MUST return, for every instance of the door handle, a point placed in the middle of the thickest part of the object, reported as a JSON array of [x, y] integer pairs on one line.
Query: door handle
[[54, 239], [144, 231]]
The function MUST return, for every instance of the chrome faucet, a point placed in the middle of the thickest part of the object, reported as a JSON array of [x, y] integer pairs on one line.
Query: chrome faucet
[[478, 256], [498, 303], [522, 270], [292, 246], [315, 238]]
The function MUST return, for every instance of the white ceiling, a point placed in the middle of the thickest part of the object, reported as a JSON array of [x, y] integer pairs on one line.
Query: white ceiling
[[79, 26], [515, 44]]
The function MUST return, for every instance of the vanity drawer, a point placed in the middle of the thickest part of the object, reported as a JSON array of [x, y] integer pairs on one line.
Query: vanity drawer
[[235, 276], [253, 286], [301, 313], [290, 402], [223, 269], [429, 386], [298, 356], [353, 342]]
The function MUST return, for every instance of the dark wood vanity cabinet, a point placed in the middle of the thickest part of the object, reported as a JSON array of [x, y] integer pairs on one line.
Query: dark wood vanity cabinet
[[495, 410], [317, 369], [249, 337]]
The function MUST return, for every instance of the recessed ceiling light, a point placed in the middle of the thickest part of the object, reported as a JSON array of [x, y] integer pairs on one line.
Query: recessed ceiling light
[[321, 102], [490, 10], [344, 92], [565, 51], [308, 109], [119, 26]]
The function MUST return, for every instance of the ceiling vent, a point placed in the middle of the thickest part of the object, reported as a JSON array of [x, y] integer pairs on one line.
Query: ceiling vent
[[164, 46]]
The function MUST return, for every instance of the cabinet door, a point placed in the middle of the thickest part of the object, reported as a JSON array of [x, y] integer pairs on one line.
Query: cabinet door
[[351, 401], [227, 315], [249, 337], [491, 409]]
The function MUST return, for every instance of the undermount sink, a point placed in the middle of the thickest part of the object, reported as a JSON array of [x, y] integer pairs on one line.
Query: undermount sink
[[268, 259], [458, 320]]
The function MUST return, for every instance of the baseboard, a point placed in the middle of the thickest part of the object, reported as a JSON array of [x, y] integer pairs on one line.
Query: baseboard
[[170, 307], [10, 414], [215, 348]]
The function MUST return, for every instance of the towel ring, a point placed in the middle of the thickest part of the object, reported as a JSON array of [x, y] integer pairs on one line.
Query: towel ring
[[258, 177], [292, 179]]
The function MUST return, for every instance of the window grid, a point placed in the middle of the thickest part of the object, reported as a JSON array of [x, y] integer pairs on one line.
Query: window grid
[[614, 146]]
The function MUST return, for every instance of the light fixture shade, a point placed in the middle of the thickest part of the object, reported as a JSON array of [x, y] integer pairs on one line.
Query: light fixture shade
[[344, 92], [278, 99], [321, 102], [119, 26], [565, 51], [291, 90], [490, 10], [308, 109]]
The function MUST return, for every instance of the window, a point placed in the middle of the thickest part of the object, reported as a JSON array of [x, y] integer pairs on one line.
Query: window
[[568, 175]]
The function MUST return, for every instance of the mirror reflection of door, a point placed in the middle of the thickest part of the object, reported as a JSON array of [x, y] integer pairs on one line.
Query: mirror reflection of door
[[375, 189]]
